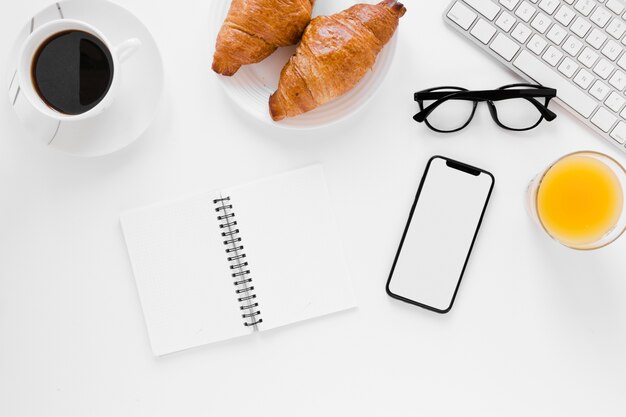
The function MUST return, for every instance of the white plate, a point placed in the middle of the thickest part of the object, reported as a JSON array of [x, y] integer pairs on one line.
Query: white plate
[[134, 107], [252, 85]]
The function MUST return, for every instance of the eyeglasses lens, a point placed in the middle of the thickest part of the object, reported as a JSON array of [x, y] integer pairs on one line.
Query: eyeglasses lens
[[519, 113], [449, 115]]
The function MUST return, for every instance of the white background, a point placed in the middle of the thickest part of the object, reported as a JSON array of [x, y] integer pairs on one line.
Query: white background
[[537, 329]]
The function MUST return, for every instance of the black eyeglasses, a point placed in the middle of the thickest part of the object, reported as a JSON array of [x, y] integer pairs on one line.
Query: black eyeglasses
[[520, 106]]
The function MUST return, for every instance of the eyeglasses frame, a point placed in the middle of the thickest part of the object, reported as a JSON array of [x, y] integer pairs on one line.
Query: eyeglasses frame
[[506, 92]]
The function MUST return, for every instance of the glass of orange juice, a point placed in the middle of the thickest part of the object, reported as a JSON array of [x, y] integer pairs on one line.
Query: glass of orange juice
[[579, 200]]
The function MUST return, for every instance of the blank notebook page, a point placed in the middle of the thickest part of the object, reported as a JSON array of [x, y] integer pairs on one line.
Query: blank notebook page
[[181, 272], [294, 252]]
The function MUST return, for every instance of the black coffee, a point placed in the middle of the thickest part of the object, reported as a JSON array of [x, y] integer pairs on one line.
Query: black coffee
[[72, 71]]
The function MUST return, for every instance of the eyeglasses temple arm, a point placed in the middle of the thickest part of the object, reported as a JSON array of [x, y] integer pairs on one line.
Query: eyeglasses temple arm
[[548, 114], [423, 114]]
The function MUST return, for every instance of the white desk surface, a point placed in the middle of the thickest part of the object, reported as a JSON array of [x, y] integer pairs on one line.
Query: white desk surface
[[537, 329]]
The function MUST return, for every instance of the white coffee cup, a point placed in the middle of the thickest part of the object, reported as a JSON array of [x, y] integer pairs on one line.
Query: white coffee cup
[[119, 54]]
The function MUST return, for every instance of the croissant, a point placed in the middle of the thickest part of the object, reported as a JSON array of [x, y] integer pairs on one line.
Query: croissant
[[253, 29], [335, 53]]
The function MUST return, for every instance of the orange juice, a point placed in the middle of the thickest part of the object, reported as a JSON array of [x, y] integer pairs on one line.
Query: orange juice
[[579, 200]]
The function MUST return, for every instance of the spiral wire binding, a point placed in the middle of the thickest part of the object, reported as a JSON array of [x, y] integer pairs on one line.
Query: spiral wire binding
[[239, 266]]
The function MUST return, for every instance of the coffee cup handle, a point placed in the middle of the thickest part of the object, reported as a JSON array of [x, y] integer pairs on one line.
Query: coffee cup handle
[[125, 49]]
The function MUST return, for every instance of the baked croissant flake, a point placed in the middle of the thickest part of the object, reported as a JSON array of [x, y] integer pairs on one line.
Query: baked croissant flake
[[335, 53], [253, 29]]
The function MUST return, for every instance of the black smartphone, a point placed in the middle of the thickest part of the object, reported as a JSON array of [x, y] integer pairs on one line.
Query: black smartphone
[[440, 233]]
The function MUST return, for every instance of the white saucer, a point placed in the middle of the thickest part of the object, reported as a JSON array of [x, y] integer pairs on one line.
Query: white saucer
[[252, 85], [135, 105]]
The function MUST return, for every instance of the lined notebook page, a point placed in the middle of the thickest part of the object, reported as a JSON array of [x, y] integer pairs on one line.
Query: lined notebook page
[[182, 274], [293, 248]]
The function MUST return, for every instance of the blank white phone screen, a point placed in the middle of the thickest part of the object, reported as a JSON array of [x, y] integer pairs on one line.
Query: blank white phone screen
[[440, 234]]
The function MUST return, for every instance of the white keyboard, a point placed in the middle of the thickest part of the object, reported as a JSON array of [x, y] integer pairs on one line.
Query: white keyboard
[[575, 46]]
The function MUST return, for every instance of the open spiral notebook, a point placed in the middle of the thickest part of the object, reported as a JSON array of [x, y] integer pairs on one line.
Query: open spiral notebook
[[227, 263]]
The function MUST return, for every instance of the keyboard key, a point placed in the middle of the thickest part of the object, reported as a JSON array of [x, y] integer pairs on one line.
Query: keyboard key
[[537, 44], [585, 6], [552, 56], [556, 34], [544, 75], [462, 15], [541, 23], [596, 38], [484, 7], [615, 6], [603, 119], [572, 46], [525, 11], [604, 68], [505, 21], [504, 47], [483, 31], [599, 90], [616, 28], [581, 27], [619, 133], [600, 16], [565, 15], [622, 61], [624, 40], [615, 101], [611, 50], [583, 79], [521, 33], [618, 80], [509, 4], [568, 67], [588, 57], [548, 6], [569, 1]]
